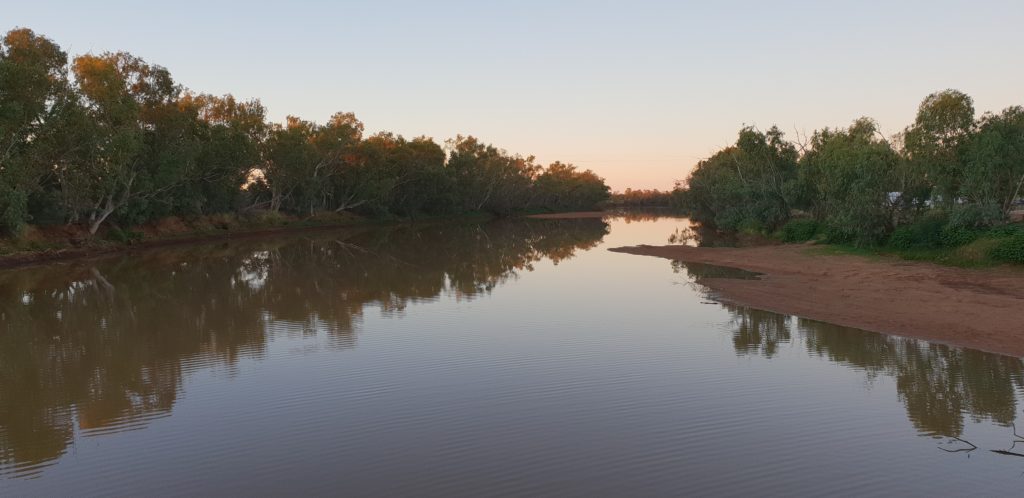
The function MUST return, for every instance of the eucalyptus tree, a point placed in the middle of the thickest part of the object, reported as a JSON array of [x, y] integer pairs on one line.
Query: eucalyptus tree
[[230, 133], [289, 162], [850, 174], [486, 178], [933, 143], [143, 148], [993, 160], [747, 185], [33, 77], [399, 176], [563, 186]]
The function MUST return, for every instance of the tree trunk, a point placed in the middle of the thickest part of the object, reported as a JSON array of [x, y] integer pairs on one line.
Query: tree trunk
[[102, 216]]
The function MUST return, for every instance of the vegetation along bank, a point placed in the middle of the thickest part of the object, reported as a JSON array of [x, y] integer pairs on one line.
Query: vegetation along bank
[[948, 188], [110, 146]]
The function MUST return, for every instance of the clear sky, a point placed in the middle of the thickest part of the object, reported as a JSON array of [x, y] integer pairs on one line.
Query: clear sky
[[636, 90]]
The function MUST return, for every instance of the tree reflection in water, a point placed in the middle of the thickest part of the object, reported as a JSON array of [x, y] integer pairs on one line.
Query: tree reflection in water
[[939, 385], [103, 346]]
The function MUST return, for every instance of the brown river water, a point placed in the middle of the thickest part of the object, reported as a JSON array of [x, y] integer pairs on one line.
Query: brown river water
[[461, 359]]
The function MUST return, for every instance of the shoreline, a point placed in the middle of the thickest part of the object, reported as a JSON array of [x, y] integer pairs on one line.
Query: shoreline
[[974, 308], [101, 247], [106, 248]]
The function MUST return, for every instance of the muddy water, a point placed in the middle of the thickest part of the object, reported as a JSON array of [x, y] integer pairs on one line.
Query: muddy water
[[463, 359]]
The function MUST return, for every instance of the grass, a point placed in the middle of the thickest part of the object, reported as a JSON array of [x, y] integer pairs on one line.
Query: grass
[[977, 254]]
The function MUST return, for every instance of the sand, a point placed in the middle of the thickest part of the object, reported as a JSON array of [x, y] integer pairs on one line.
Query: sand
[[974, 308]]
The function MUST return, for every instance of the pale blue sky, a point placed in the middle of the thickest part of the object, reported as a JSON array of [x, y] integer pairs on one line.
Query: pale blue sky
[[636, 90]]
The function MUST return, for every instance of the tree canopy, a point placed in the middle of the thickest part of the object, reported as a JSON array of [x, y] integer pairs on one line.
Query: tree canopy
[[112, 138], [948, 169]]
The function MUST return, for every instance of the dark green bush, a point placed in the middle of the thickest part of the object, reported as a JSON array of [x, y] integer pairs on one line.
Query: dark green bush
[[799, 230], [835, 234], [1010, 249], [974, 216], [1007, 230], [923, 234], [116, 234], [956, 236], [750, 226]]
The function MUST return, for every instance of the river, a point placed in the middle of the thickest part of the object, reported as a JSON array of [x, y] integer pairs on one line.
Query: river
[[516, 357]]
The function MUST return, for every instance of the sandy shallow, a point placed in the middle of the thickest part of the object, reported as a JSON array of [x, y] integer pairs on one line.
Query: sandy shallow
[[975, 308]]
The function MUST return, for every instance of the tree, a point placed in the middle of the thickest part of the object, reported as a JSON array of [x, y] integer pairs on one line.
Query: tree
[[289, 166], [849, 172], [141, 145], [230, 134], [562, 187], [932, 144], [121, 142], [745, 186], [487, 178], [993, 159], [33, 76]]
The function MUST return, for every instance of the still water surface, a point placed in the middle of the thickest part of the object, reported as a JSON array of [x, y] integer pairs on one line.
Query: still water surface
[[516, 357]]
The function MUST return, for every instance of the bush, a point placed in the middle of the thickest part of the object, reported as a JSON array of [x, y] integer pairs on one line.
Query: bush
[[956, 236], [123, 236], [799, 230], [1007, 230], [975, 216], [1010, 249], [835, 234], [750, 226], [924, 234]]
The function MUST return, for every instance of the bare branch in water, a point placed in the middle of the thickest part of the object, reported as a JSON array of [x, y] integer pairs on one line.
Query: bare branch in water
[[958, 450]]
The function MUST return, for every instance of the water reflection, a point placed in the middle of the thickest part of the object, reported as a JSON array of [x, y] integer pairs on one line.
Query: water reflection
[[104, 347], [938, 385]]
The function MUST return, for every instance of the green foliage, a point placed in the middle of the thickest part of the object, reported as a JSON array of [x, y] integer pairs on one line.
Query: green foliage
[[991, 172], [924, 234], [563, 187], [32, 76], [1006, 230], [847, 173], [117, 234], [947, 181], [1010, 249], [976, 216], [744, 185], [956, 236], [799, 230], [122, 141], [641, 198], [933, 143]]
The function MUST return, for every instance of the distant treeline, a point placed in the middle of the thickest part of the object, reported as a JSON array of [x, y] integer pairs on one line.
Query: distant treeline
[[943, 180], [111, 137], [642, 198]]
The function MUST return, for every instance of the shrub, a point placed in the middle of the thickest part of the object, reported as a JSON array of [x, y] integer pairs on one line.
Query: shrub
[[1010, 249], [799, 230], [750, 226], [956, 236], [924, 234], [116, 234], [976, 216], [1007, 230], [836, 234]]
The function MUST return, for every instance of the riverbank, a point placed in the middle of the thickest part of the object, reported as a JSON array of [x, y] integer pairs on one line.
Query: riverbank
[[975, 308], [67, 242], [56, 243]]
